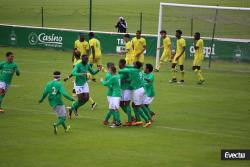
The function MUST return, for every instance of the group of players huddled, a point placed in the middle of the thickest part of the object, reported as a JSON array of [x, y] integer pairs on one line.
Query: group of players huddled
[[130, 87]]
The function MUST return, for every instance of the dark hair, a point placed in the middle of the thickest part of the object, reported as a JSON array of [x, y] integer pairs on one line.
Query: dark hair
[[9, 53], [163, 31], [179, 32], [138, 31], [122, 61], [84, 55], [113, 69], [110, 64], [81, 34], [138, 64], [149, 67], [56, 74], [127, 35], [77, 54], [91, 34], [198, 34]]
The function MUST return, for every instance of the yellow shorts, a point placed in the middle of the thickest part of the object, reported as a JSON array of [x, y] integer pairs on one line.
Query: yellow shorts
[[197, 61], [140, 58], [166, 56], [98, 60], [180, 61], [129, 60]]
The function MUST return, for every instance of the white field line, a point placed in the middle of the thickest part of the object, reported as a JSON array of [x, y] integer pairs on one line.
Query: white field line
[[157, 126]]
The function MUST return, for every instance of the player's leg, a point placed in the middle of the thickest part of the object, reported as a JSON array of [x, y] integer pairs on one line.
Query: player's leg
[[114, 106], [3, 90], [182, 74], [147, 111], [173, 70], [61, 113], [200, 76], [162, 60]]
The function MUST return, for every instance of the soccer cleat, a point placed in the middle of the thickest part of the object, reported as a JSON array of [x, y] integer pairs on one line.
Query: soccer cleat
[[93, 106], [70, 113], [147, 124], [180, 82], [67, 129], [156, 70], [94, 80], [153, 114], [173, 80], [139, 123], [105, 123], [133, 119], [55, 129], [127, 124], [200, 82], [116, 125], [1, 110]]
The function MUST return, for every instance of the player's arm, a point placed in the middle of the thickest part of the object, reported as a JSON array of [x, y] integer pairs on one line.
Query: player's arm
[[92, 71], [17, 71], [126, 71], [1, 65], [183, 50], [93, 51], [150, 79], [196, 45], [45, 93], [68, 77], [65, 94], [107, 83]]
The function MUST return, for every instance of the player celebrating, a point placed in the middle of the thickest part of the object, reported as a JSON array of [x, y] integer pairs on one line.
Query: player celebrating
[[179, 57], [7, 70], [128, 50], [148, 76], [198, 56], [81, 86], [126, 92], [54, 90], [137, 84], [114, 100], [166, 55], [139, 46]]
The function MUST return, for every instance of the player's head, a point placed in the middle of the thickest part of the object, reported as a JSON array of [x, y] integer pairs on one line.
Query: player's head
[[81, 36], [138, 65], [109, 65], [163, 33], [148, 68], [197, 36], [126, 37], [122, 63], [121, 18], [138, 34], [10, 56], [178, 34], [77, 54], [113, 70], [85, 59], [57, 75], [91, 34]]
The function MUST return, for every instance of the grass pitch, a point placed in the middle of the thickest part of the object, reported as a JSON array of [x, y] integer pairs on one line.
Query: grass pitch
[[193, 122]]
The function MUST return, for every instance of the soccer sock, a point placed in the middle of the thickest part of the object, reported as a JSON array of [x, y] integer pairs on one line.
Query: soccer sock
[[137, 115], [150, 111], [124, 109], [58, 122], [128, 109], [200, 75], [76, 105], [182, 75], [146, 112], [140, 110], [108, 115], [62, 120], [1, 99], [91, 100], [117, 116], [173, 73]]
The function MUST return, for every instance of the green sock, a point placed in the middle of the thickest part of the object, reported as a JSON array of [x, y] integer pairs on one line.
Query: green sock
[[140, 110], [137, 115], [124, 109], [76, 105], [128, 109], [108, 115], [62, 120], [118, 120], [1, 99], [150, 111], [146, 111]]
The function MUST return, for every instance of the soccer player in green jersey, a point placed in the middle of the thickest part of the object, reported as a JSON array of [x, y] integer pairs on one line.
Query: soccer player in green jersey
[[113, 83], [54, 90], [81, 86], [109, 92], [7, 69], [148, 76], [137, 85], [126, 92]]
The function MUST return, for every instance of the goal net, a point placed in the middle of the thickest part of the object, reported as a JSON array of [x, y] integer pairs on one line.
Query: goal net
[[213, 22]]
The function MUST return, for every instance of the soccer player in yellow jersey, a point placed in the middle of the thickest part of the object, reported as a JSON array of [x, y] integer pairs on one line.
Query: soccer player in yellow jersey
[[179, 57], [198, 56], [166, 55], [82, 46], [139, 46], [96, 53], [128, 50]]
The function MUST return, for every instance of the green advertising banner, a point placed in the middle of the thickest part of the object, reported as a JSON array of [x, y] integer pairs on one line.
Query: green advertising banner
[[111, 43]]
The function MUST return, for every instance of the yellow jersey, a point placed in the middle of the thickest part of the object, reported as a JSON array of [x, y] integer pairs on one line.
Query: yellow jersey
[[199, 52], [129, 49], [166, 43], [97, 46], [82, 47], [180, 44], [138, 45]]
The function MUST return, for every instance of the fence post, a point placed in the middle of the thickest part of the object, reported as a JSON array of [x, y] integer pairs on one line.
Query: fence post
[[192, 26], [141, 21], [90, 15], [42, 16]]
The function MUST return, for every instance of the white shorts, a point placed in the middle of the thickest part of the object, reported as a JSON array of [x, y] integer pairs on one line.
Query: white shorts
[[81, 89], [138, 96], [60, 110], [126, 95], [148, 100], [3, 86], [114, 103], [108, 97]]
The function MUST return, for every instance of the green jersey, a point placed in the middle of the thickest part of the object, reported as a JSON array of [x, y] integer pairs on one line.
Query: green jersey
[[7, 71], [78, 71], [107, 77], [54, 90], [114, 85], [149, 84], [125, 80], [136, 77]]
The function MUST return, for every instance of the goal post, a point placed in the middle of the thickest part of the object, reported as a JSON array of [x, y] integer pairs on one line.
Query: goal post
[[213, 11]]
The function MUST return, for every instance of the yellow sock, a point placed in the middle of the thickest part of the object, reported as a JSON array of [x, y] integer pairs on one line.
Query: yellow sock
[[200, 75], [182, 75], [174, 73], [91, 100]]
